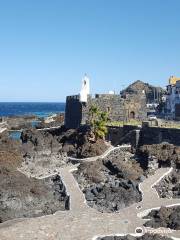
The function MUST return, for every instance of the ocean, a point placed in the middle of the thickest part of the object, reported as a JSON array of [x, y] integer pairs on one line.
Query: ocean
[[30, 108]]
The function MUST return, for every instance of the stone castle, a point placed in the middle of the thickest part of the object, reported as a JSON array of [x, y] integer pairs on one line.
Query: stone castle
[[120, 107]]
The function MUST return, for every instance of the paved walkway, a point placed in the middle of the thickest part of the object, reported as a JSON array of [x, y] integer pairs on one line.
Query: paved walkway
[[77, 198], [84, 223]]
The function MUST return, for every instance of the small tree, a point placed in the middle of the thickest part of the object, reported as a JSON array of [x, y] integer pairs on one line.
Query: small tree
[[98, 121]]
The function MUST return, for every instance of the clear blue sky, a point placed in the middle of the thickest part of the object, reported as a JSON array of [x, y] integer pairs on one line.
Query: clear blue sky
[[46, 46]]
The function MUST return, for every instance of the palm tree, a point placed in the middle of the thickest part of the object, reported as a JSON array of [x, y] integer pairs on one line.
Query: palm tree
[[93, 114], [98, 121]]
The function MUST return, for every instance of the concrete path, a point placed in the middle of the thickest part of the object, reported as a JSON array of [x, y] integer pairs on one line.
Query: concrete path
[[84, 223], [77, 198]]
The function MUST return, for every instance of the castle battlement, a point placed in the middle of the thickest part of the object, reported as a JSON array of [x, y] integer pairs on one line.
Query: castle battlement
[[71, 97]]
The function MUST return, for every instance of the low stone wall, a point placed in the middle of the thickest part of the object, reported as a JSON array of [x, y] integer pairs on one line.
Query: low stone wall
[[120, 135], [114, 134], [156, 135], [146, 135]]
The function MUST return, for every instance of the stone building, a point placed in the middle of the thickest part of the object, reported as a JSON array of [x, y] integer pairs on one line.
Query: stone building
[[119, 108], [153, 94], [172, 107]]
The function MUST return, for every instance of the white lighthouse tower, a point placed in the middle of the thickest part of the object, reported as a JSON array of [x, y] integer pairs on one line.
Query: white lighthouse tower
[[85, 89]]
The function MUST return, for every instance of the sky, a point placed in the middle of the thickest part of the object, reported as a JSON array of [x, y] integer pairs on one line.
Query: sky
[[47, 46]]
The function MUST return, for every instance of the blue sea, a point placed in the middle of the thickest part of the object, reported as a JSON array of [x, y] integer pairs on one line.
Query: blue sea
[[30, 108]]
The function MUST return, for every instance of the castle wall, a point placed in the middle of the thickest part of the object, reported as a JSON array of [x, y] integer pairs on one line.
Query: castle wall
[[136, 103], [156, 135], [73, 112], [118, 108], [122, 135], [113, 104]]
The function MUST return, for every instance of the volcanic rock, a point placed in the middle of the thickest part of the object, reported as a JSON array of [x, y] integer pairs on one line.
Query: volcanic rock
[[27, 197], [21, 196], [169, 186], [129, 237], [166, 217], [110, 184], [164, 154], [76, 143]]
